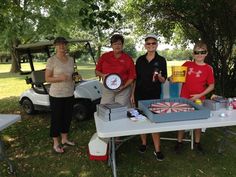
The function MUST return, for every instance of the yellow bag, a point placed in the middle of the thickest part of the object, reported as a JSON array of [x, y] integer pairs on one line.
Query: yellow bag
[[179, 73]]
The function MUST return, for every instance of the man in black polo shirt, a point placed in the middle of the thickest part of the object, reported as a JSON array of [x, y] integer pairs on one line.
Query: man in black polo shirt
[[151, 71]]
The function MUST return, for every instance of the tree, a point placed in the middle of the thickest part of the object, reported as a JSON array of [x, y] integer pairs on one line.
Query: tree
[[211, 20], [23, 21], [101, 20], [129, 47]]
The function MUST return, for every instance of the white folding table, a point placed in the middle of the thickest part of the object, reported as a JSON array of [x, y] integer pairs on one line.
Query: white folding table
[[5, 121], [126, 127]]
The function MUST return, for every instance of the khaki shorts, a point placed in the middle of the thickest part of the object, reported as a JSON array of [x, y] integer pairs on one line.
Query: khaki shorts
[[122, 97]]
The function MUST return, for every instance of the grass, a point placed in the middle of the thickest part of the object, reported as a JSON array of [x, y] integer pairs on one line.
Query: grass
[[13, 84], [28, 144]]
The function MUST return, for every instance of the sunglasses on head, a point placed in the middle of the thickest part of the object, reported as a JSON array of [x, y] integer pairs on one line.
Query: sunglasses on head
[[151, 43], [200, 52]]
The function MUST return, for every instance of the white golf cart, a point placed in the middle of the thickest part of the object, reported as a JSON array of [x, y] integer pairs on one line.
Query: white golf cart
[[87, 93]]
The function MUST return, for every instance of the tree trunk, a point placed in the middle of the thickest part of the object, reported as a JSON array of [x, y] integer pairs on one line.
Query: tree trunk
[[99, 48], [15, 65]]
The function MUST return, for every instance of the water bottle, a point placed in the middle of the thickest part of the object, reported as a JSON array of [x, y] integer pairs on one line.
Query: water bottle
[[155, 75], [75, 76], [229, 104]]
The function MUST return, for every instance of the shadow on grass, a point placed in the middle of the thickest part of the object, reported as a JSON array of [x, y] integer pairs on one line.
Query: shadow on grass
[[30, 148], [10, 105]]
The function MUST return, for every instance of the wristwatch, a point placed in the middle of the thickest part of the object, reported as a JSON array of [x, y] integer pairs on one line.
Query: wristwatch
[[112, 81]]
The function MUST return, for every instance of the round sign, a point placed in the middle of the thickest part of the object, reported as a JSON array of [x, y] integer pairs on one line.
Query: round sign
[[112, 81]]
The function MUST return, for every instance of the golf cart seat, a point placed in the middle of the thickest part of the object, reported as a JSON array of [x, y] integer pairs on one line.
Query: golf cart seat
[[38, 82]]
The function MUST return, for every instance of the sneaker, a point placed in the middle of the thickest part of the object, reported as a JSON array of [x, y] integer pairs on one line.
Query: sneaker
[[178, 147], [159, 156], [198, 148], [142, 148]]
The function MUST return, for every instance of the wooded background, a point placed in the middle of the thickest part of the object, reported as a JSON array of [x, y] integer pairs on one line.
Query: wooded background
[[180, 21]]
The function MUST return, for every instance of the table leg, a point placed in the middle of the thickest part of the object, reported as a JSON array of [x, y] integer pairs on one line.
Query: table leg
[[3, 157], [112, 148], [109, 152], [123, 140], [112, 156], [192, 138]]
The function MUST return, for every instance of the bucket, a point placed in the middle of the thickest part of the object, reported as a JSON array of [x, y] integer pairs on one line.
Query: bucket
[[179, 73]]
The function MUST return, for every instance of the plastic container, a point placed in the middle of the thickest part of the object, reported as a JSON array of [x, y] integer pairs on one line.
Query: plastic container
[[179, 73], [199, 113], [229, 104], [215, 105]]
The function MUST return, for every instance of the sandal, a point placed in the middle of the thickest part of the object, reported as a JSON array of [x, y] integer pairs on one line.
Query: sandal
[[58, 149], [68, 143]]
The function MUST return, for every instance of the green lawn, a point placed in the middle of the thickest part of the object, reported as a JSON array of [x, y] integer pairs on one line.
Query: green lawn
[[29, 146], [13, 84]]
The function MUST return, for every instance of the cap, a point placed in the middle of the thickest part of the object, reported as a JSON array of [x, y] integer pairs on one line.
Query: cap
[[60, 40], [151, 36]]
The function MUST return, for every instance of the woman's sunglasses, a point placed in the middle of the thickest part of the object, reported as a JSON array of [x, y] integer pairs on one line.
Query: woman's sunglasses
[[200, 52], [151, 43]]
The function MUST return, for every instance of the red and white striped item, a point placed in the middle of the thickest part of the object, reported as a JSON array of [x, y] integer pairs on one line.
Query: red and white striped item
[[169, 107]]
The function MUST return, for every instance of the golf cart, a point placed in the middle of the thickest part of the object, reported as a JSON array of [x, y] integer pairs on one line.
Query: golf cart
[[87, 93]]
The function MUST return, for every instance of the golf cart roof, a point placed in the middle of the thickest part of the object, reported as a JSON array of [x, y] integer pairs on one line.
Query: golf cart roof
[[42, 46], [45, 47]]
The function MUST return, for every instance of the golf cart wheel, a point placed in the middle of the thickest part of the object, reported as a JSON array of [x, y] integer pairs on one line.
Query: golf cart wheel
[[28, 106], [80, 112]]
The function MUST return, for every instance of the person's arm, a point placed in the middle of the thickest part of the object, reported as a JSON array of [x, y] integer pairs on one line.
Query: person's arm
[[127, 84], [132, 100], [98, 69], [100, 74], [161, 78], [53, 79], [206, 91], [132, 75], [162, 75]]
